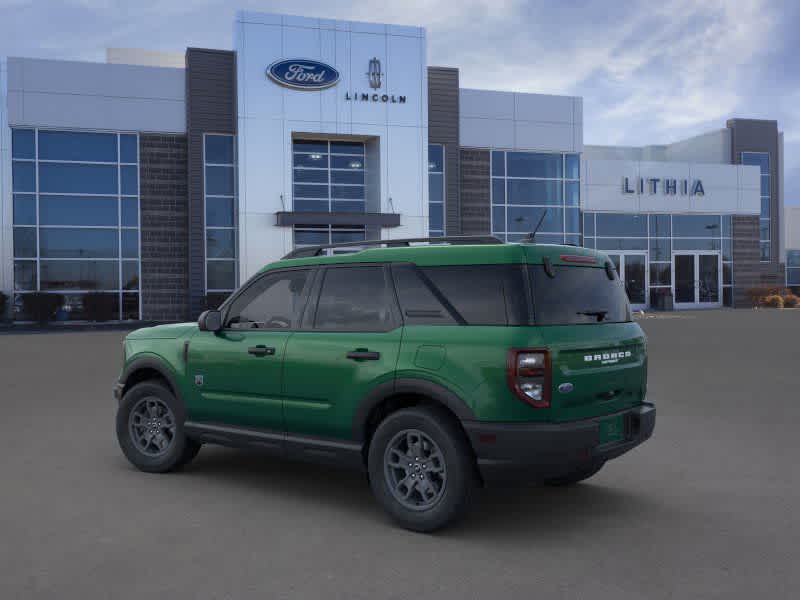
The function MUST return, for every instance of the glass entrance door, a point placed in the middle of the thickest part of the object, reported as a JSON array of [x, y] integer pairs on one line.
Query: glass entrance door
[[696, 279], [632, 269]]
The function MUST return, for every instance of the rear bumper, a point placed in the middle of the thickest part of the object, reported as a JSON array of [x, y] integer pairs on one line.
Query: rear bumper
[[537, 451]]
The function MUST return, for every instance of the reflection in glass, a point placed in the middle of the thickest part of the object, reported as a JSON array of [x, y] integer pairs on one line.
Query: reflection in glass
[[66, 178], [77, 146], [77, 210], [79, 275], [55, 242]]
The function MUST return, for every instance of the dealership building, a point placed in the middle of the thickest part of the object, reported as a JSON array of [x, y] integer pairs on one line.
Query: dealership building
[[168, 179]]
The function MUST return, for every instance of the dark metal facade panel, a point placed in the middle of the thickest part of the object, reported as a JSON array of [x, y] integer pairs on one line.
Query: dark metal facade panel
[[755, 135], [371, 220], [748, 271], [210, 108], [163, 198], [476, 209], [443, 128]]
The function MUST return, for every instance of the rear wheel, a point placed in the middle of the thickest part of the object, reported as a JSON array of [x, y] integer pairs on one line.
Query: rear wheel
[[150, 429], [421, 468], [576, 476]]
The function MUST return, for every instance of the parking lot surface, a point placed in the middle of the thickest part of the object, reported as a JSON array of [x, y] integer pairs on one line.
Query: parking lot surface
[[706, 509]]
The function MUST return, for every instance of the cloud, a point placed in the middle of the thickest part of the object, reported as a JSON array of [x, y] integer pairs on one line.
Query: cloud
[[649, 72]]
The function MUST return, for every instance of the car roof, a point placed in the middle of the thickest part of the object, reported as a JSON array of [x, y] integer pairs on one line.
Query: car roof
[[462, 254]]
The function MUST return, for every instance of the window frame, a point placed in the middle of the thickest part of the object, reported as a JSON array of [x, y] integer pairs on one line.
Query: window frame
[[234, 228], [225, 307], [118, 197], [312, 306]]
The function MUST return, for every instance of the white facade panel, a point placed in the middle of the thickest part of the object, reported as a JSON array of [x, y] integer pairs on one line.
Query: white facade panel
[[546, 136], [486, 133], [791, 227], [271, 115], [54, 93], [520, 121], [485, 104], [727, 189]]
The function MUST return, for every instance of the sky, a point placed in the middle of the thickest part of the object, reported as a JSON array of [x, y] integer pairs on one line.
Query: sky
[[649, 72]]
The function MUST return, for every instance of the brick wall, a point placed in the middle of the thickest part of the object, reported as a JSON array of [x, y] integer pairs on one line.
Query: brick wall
[[165, 231], [443, 128], [748, 271], [476, 215]]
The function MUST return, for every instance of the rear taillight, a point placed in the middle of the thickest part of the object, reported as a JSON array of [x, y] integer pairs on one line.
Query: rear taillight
[[528, 373]]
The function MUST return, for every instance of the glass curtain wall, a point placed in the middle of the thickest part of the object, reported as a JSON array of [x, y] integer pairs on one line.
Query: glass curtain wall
[[76, 220], [436, 190], [328, 176], [529, 186], [219, 158], [793, 268], [761, 160], [660, 235]]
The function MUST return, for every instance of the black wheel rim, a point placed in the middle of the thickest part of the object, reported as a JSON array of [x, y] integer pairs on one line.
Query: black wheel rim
[[415, 470], [152, 426]]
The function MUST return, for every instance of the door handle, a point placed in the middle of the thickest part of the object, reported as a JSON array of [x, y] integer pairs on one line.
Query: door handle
[[363, 355], [261, 351]]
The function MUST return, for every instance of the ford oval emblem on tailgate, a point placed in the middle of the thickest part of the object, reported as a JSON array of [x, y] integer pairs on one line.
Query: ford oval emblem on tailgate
[[566, 388]]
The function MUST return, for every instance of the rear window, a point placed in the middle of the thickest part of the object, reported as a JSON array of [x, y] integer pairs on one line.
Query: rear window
[[462, 295], [479, 294], [578, 295]]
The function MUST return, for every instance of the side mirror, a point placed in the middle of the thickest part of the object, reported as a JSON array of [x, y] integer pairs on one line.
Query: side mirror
[[210, 320]]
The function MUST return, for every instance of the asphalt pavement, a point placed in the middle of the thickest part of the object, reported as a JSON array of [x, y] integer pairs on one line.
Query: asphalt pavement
[[708, 508]]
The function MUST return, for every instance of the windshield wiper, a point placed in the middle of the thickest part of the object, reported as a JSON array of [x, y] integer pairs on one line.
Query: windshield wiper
[[600, 314]]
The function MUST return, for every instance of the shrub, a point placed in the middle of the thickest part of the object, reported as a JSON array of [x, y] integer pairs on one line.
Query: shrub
[[773, 301], [98, 306], [758, 295], [3, 306], [41, 306], [790, 301]]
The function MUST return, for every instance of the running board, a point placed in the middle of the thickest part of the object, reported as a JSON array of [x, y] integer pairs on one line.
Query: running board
[[320, 450]]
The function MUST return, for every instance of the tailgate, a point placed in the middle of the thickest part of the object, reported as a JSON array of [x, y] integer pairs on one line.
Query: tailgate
[[597, 369]]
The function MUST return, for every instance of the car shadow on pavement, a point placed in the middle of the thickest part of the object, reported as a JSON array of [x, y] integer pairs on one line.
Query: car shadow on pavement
[[509, 511]]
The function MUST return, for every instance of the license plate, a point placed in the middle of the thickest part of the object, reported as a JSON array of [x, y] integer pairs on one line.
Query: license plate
[[612, 429]]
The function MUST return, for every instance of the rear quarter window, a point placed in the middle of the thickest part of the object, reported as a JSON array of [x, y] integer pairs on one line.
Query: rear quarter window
[[578, 295], [481, 294]]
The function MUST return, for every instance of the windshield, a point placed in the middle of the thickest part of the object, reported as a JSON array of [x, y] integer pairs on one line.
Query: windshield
[[578, 295]]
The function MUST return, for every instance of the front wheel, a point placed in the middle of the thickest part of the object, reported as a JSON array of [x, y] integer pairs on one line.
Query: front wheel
[[150, 429], [421, 468]]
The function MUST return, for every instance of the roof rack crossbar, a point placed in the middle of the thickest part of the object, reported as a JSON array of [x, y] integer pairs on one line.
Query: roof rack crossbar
[[310, 251]]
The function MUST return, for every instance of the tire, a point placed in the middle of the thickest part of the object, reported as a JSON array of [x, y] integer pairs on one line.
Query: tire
[[575, 476], [421, 468], [167, 447]]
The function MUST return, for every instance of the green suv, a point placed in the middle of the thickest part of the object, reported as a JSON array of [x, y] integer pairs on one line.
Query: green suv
[[435, 368]]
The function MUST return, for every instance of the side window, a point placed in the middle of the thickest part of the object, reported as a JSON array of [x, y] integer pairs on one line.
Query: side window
[[272, 302], [419, 304], [354, 299], [483, 294]]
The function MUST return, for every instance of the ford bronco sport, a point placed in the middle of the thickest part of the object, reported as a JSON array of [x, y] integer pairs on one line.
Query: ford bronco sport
[[435, 368]]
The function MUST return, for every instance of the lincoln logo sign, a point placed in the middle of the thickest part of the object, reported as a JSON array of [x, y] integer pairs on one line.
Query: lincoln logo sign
[[668, 186], [302, 74]]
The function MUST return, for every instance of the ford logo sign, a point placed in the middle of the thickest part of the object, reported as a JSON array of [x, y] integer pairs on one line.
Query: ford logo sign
[[303, 74]]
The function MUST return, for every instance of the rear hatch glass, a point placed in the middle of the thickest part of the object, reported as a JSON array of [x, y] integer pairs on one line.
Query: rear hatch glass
[[597, 352], [578, 295]]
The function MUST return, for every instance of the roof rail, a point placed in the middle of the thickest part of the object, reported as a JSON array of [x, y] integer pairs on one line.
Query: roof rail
[[455, 240]]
